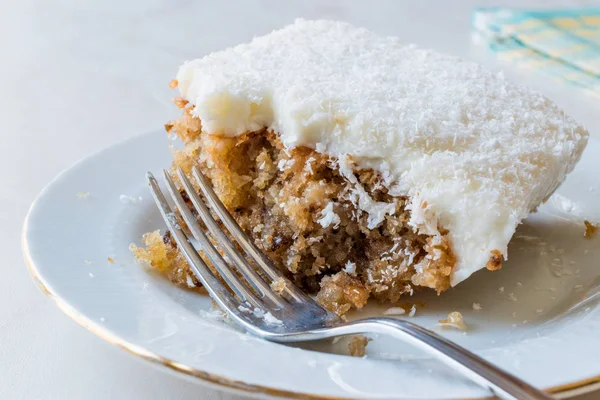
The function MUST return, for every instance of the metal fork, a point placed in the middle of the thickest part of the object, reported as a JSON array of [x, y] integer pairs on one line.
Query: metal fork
[[243, 290]]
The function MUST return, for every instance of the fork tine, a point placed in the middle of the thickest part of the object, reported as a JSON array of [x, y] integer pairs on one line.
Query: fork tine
[[243, 240], [252, 277], [230, 277], [216, 289]]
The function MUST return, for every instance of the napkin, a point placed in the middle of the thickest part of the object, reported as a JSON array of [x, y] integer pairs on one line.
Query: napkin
[[564, 43]]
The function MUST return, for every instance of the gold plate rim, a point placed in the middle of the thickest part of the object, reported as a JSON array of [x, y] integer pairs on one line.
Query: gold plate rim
[[216, 380]]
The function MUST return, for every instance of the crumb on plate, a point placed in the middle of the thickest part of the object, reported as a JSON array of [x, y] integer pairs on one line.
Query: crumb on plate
[[180, 102], [454, 320], [495, 261], [590, 229], [358, 345]]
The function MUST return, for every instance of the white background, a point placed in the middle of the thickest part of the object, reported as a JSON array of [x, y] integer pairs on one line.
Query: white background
[[76, 76]]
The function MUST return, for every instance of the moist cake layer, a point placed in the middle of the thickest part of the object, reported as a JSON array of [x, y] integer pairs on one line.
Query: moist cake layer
[[302, 211], [470, 152]]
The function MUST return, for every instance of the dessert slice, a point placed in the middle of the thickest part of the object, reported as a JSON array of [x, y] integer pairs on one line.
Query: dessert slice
[[364, 167]]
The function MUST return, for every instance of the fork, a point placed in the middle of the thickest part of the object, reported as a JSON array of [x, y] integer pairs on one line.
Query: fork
[[243, 291]]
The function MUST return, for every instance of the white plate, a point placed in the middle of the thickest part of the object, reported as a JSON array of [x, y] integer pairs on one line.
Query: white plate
[[542, 327]]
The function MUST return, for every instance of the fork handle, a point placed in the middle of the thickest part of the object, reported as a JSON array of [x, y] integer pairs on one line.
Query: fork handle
[[503, 384]]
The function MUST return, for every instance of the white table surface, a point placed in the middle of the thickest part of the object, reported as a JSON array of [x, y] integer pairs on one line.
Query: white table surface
[[76, 76]]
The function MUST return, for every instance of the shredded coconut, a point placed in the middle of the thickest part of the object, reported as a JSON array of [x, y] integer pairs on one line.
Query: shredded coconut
[[271, 320], [422, 219], [413, 311], [258, 228], [173, 220], [189, 281], [308, 165], [329, 217], [350, 268], [258, 313], [129, 199], [565, 204], [213, 314], [282, 165], [395, 311], [376, 210]]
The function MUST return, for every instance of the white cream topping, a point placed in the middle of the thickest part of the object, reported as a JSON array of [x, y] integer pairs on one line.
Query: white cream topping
[[475, 152]]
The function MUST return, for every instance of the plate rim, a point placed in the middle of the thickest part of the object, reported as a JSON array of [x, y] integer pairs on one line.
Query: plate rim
[[566, 390]]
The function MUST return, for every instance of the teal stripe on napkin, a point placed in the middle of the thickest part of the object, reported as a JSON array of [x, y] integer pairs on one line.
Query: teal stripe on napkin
[[564, 44]]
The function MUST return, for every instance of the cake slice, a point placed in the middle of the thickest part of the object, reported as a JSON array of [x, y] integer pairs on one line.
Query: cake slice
[[362, 166]]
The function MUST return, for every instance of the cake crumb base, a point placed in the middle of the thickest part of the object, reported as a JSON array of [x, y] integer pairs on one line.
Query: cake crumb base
[[304, 213]]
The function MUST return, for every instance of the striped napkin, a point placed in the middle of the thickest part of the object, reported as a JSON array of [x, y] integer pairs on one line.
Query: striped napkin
[[564, 44]]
